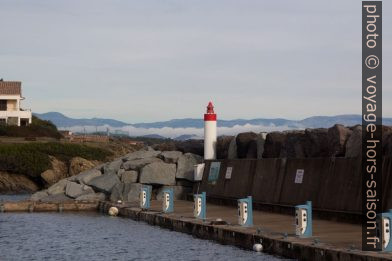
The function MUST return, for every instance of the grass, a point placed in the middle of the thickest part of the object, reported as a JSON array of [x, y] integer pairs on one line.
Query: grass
[[33, 158]]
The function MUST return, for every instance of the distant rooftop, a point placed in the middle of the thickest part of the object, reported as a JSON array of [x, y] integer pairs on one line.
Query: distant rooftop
[[10, 88]]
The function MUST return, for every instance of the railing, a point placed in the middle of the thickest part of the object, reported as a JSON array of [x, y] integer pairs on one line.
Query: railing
[[15, 113], [13, 109]]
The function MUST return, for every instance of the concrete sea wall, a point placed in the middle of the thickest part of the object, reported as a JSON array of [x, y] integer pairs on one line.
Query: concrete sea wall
[[333, 184], [31, 206]]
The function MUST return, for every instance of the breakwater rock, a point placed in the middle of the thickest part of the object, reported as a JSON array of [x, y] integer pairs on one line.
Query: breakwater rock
[[10, 182], [337, 141], [122, 178]]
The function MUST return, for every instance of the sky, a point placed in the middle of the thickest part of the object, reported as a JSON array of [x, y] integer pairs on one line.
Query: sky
[[155, 60]]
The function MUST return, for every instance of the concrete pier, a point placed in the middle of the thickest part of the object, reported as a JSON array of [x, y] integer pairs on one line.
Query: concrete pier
[[331, 240], [31, 206]]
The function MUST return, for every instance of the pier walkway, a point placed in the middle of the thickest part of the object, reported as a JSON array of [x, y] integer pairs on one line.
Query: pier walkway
[[331, 240]]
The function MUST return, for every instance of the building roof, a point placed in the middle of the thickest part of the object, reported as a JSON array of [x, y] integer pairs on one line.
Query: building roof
[[10, 88]]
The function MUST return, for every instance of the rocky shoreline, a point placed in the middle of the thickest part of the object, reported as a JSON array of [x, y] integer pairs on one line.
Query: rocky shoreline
[[122, 178], [16, 183]]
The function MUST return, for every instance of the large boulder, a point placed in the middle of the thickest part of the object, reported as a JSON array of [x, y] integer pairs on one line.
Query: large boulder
[[78, 165], [132, 191], [86, 176], [56, 198], [112, 167], [74, 190], [158, 173], [104, 183], [354, 143], [252, 150], [246, 146], [58, 171], [387, 145], [141, 154], [16, 183], [294, 145], [179, 192], [191, 146], [165, 146], [51, 177], [338, 136], [232, 152], [92, 197], [170, 156], [316, 143], [185, 166], [126, 192], [222, 146], [58, 188], [387, 140], [184, 183], [260, 141], [273, 144], [39, 195], [129, 176], [117, 192], [137, 164], [386, 131]]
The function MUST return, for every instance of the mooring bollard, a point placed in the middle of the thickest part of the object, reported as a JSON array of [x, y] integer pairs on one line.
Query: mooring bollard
[[384, 230], [303, 220], [199, 207], [245, 212], [145, 196], [168, 200], [61, 208], [113, 211], [258, 247]]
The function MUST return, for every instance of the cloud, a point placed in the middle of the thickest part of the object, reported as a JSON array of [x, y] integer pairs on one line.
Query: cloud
[[175, 132]]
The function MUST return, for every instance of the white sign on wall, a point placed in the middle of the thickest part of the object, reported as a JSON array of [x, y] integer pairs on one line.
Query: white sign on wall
[[299, 176], [229, 170], [198, 171]]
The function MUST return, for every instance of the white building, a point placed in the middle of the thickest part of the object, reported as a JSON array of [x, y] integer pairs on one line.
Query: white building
[[10, 111]]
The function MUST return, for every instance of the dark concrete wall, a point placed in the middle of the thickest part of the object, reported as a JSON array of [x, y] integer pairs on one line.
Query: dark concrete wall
[[333, 184]]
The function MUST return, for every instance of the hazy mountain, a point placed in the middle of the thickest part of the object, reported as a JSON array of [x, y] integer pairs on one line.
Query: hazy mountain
[[61, 120], [152, 136], [186, 137]]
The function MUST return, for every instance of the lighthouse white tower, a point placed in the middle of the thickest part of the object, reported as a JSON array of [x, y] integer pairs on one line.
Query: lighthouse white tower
[[210, 133]]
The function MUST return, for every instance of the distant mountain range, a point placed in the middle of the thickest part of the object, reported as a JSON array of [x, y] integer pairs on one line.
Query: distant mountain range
[[63, 121]]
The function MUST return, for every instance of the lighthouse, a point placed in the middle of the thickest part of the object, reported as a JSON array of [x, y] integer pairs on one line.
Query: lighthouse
[[210, 133]]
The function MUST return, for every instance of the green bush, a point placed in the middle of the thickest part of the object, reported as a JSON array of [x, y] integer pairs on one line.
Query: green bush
[[37, 128], [33, 158]]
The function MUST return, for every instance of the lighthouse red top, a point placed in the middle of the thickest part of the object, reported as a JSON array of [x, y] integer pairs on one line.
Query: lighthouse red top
[[210, 115]]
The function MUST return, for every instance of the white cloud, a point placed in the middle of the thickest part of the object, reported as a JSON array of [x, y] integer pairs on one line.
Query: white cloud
[[175, 132]]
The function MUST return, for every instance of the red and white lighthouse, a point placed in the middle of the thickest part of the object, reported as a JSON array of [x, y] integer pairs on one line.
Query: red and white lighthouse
[[210, 133]]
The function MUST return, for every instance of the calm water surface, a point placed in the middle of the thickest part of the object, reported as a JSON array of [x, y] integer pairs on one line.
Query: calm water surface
[[92, 236]]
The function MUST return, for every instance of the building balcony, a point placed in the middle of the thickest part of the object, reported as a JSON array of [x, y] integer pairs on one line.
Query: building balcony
[[25, 114]]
